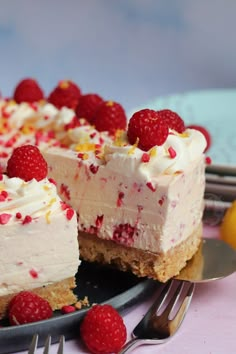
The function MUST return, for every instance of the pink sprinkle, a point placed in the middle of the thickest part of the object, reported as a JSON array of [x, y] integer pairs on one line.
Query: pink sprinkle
[[150, 186], [27, 220], [99, 221], [68, 309], [64, 206], [208, 160], [33, 106], [69, 213], [140, 208], [93, 168], [92, 135], [172, 152], [3, 154], [4, 218], [119, 200], [145, 157], [3, 196], [52, 181], [51, 134], [80, 155], [161, 201], [101, 140], [33, 273], [64, 190]]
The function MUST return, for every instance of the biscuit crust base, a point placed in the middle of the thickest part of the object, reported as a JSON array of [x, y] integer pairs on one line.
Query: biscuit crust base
[[57, 294], [161, 267]]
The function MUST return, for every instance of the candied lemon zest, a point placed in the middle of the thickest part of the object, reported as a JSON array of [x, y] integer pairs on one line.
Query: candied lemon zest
[[153, 152], [85, 147], [132, 149], [47, 216]]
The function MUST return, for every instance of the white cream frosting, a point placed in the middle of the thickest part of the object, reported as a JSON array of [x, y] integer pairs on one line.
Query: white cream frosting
[[87, 134], [188, 147], [34, 198], [42, 115]]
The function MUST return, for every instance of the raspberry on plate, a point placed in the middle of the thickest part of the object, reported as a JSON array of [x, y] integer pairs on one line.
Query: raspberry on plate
[[103, 330], [28, 90], [172, 119], [88, 105], [65, 94], [27, 307], [146, 128], [110, 116], [204, 131], [27, 162]]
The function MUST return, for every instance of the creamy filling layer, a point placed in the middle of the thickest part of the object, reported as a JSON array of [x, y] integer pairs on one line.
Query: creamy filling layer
[[38, 235]]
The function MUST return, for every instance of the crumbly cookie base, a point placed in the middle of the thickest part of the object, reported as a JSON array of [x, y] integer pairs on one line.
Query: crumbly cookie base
[[161, 267], [57, 294]]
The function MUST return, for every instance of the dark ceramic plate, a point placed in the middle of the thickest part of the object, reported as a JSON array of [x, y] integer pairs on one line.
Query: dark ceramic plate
[[101, 285]]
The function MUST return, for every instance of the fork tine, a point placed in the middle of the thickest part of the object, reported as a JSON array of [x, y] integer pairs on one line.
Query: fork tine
[[47, 345], [160, 299], [166, 326], [174, 298], [61, 345], [33, 344], [154, 308], [179, 316]]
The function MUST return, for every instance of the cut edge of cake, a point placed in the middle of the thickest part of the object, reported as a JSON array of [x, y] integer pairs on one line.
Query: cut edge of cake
[[158, 266]]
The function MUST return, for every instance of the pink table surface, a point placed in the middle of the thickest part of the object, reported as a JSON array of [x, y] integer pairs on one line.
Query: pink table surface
[[209, 326]]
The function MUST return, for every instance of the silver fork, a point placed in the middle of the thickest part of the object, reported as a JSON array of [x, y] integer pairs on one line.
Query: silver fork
[[164, 317], [34, 343]]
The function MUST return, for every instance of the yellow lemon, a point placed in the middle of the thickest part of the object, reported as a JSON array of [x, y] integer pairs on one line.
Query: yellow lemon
[[228, 226]]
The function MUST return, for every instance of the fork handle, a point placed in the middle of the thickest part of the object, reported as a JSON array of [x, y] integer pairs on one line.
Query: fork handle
[[130, 345]]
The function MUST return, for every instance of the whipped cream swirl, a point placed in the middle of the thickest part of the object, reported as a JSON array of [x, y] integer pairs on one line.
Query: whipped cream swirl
[[33, 198], [178, 151]]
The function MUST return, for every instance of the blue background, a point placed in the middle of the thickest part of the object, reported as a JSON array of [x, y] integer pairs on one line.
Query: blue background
[[130, 51]]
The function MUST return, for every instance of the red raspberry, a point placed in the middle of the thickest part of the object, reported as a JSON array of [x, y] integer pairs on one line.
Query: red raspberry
[[88, 104], [103, 330], [65, 94], [28, 90], [172, 119], [110, 116], [146, 126], [26, 162], [27, 307], [204, 131]]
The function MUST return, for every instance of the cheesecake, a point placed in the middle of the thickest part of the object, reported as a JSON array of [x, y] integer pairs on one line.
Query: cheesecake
[[141, 211], [38, 243]]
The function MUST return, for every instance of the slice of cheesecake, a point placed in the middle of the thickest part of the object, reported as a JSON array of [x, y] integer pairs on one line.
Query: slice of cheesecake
[[138, 209], [38, 243]]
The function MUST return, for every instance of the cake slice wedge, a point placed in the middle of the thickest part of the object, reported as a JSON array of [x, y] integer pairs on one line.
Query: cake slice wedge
[[38, 243]]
